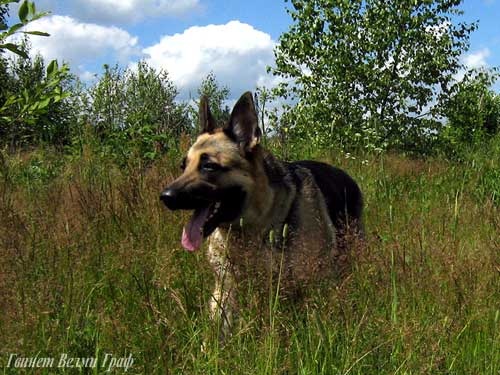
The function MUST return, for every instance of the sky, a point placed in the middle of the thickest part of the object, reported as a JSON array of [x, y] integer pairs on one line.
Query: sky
[[191, 38]]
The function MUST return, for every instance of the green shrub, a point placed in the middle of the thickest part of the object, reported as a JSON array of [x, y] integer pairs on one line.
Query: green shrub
[[135, 112]]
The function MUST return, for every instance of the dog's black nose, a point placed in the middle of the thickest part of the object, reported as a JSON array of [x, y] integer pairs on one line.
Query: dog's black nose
[[173, 198], [168, 196], [181, 199]]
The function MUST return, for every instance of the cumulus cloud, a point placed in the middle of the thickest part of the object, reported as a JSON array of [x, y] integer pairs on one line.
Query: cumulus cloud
[[131, 11], [477, 59], [79, 43], [86, 75], [236, 52], [473, 60]]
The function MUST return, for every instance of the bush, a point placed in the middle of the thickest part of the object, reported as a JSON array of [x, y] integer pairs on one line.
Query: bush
[[35, 107], [472, 112], [135, 111]]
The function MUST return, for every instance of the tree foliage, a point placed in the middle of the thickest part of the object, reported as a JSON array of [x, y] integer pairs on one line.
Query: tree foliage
[[217, 95], [472, 111], [370, 70], [135, 110], [34, 106], [27, 13], [4, 12], [359, 73]]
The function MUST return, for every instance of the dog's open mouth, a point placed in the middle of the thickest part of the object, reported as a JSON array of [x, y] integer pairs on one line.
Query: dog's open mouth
[[199, 226], [220, 206]]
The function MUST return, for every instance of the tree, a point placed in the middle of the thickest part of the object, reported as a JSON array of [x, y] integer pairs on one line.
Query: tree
[[4, 77], [217, 96], [370, 68], [135, 111], [472, 112], [107, 96], [150, 97], [34, 108], [262, 98], [32, 97], [4, 13]]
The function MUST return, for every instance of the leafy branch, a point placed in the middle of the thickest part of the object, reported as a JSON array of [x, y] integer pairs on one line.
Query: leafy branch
[[27, 13], [32, 105]]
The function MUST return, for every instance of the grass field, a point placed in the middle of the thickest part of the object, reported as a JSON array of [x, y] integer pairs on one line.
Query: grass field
[[91, 263]]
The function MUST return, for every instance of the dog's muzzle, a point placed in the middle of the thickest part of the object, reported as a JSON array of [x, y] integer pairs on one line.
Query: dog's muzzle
[[179, 200], [186, 198]]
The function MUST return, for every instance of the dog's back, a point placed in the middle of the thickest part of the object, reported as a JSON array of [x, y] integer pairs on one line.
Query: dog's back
[[342, 195]]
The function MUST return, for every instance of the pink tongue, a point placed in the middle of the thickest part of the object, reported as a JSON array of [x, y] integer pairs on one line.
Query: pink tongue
[[192, 235]]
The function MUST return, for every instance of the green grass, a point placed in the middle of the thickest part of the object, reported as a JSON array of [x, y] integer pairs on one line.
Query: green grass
[[91, 264]]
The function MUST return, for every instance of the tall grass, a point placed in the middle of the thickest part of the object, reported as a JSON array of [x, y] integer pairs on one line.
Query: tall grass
[[91, 264]]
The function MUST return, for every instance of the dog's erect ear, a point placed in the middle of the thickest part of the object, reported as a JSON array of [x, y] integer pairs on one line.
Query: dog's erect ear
[[243, 124], [207, 122]]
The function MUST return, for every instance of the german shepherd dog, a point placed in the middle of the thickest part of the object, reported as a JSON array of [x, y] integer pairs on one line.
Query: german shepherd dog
[[262, 217]]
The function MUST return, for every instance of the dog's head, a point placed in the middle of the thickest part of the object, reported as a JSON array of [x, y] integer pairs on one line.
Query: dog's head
[[217, 172]]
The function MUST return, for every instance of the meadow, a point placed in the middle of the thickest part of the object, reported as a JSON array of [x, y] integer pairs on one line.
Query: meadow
[[92, 264]]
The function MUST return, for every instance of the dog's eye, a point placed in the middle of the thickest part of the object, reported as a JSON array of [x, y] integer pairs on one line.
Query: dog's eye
[[210, 166]]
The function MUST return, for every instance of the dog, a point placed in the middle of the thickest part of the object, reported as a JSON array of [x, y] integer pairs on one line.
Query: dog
[[262, 217]]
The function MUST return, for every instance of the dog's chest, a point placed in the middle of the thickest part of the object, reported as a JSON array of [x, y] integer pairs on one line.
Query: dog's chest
[[297, 260], [239, 252]]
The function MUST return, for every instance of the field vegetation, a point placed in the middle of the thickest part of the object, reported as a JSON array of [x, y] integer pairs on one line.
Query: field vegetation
[[91, 261]]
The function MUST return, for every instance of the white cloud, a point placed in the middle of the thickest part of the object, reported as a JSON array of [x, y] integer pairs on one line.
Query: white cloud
[[473, 60], [79, 43], [477, 59], [86, 75], [130, 11], [236, 52]]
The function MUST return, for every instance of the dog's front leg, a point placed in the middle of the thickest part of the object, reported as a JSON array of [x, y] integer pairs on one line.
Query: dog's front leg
[[223, 300]]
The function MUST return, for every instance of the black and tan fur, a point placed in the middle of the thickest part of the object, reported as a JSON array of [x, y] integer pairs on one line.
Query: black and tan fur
[[258, 199]]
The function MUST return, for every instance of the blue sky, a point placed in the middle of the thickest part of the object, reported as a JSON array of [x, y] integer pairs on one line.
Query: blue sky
[[190, 38], [488, 34]]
